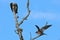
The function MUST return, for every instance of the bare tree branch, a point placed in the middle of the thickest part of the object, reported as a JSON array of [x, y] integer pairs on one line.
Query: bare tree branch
[[26, 15], [30, 36], [16, 20], [36, 37], [19, 30]]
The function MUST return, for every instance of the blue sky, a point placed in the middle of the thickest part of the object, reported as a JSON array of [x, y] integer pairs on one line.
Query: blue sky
[[41, 11]]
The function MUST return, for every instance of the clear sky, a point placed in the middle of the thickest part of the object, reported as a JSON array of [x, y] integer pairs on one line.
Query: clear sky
[[41, 11]]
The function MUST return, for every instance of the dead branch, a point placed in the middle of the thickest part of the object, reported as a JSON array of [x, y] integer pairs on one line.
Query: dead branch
[[19, 30], [26, 15], [30, 36], [36, 37]]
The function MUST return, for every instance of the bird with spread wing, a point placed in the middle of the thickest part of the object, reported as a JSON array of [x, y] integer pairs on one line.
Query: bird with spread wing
[[40, 31]]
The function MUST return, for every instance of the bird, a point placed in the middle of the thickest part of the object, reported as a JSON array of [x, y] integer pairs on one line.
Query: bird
[[41, 30], [14, 7]]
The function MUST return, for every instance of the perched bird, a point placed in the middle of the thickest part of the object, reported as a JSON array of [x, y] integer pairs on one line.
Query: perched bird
[[40, 31], [14, 7]]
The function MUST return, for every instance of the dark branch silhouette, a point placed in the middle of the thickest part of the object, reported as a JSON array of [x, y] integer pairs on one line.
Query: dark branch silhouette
[[36, 37]]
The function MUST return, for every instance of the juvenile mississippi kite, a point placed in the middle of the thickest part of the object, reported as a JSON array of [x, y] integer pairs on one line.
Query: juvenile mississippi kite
[[40, 31]]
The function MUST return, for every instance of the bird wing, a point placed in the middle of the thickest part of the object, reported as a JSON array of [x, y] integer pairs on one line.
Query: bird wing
[[37, 27], [11, 5], [45, 27]]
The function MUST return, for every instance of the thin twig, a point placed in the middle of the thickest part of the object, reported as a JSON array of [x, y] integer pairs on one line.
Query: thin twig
[[30, 36], [36, 37], [26, 15]]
